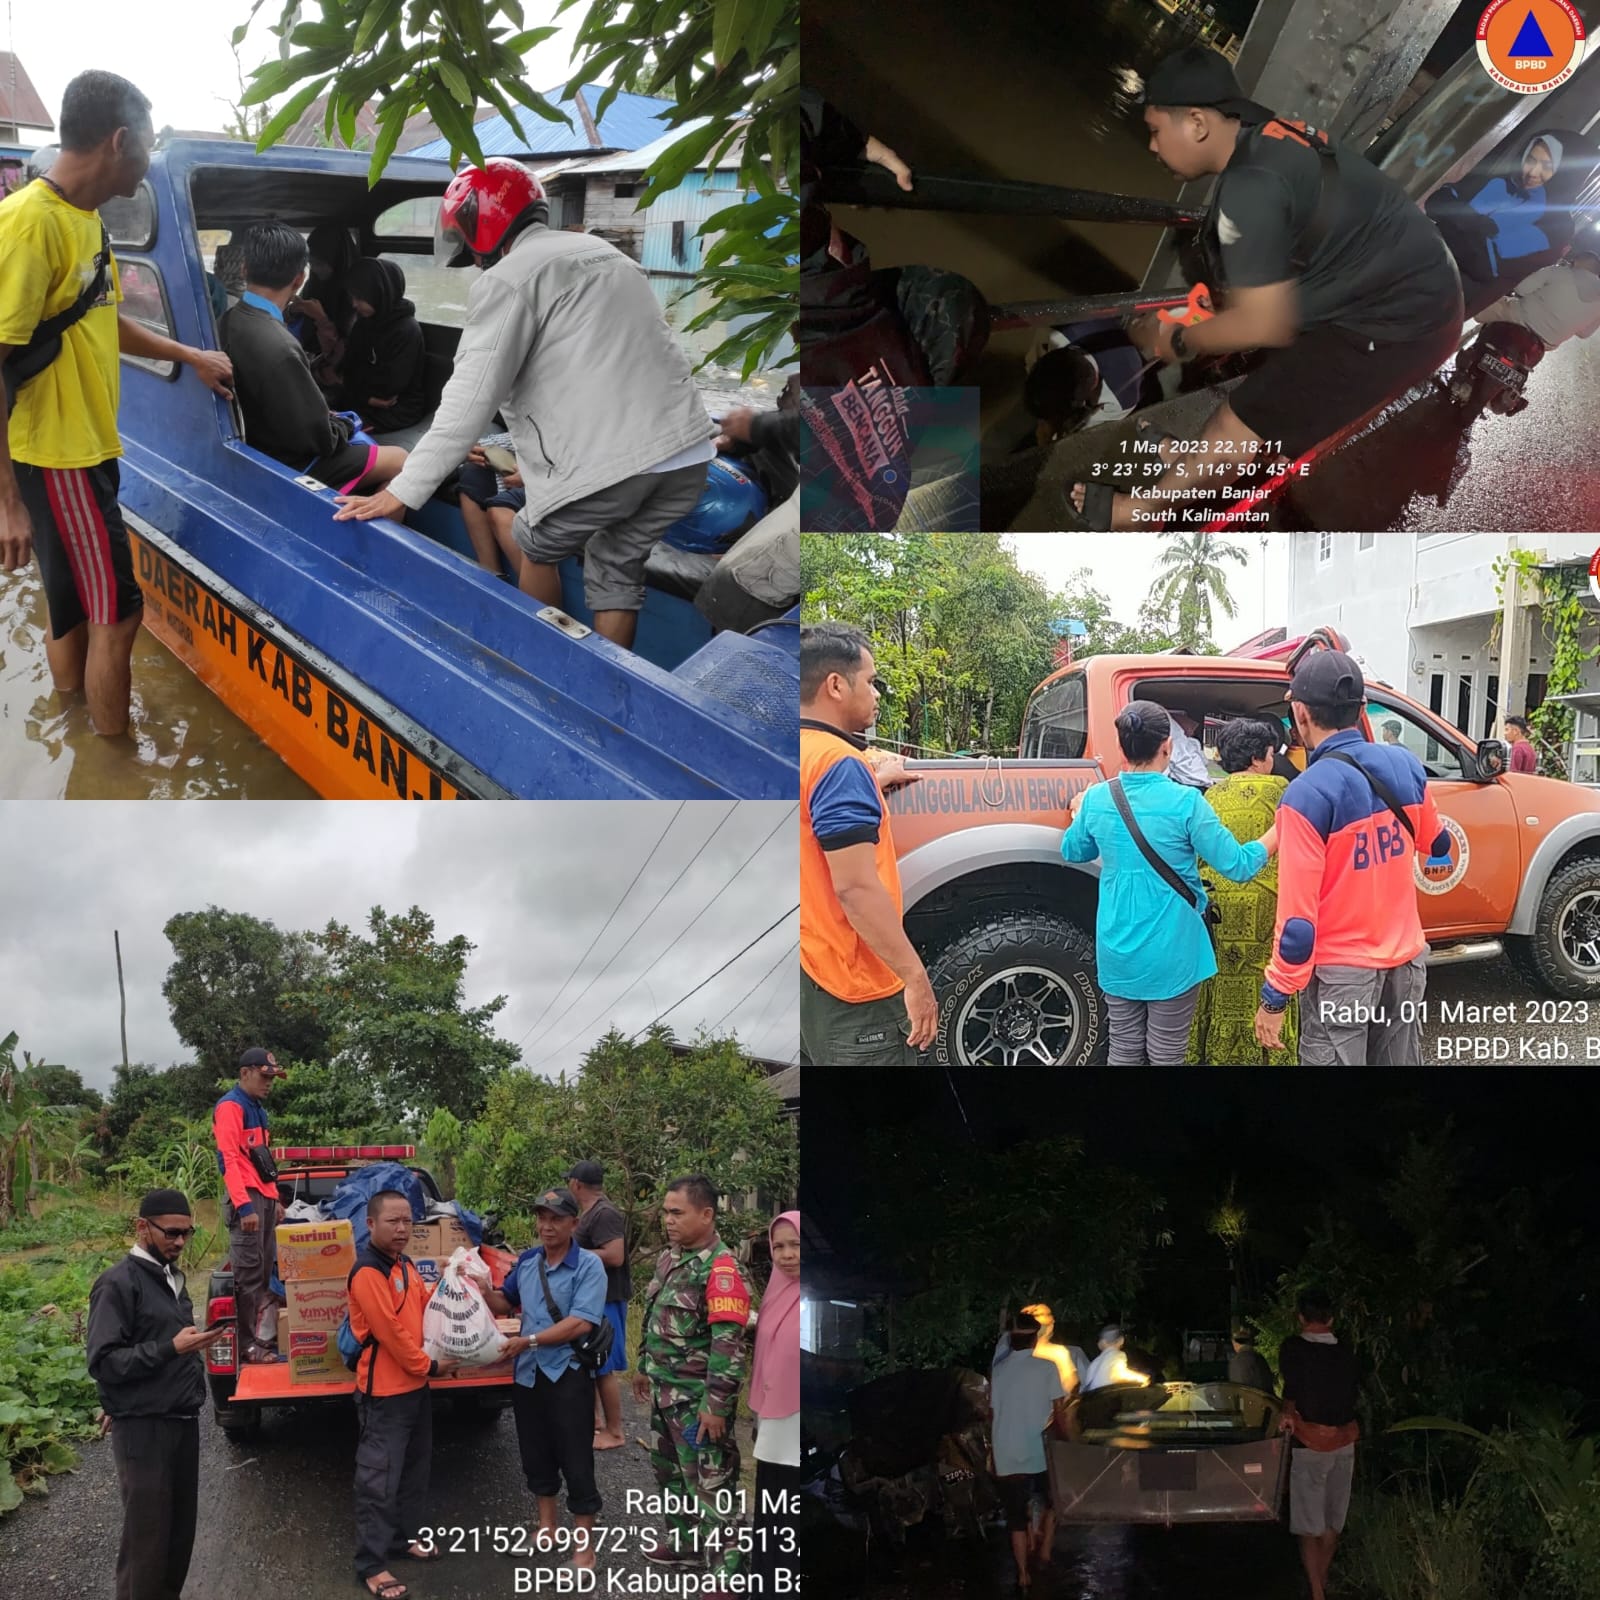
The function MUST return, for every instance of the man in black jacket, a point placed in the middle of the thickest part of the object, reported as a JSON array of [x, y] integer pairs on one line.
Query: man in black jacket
[[144, 1354], [285, 413]]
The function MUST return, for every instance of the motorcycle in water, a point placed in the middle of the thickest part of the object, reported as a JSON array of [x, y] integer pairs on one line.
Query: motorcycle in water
[[1491, 374]]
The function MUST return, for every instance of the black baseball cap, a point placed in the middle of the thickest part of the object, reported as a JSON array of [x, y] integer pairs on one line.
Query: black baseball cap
[[1195, 76], [255, 1056], [1328, 678], [589, 1172], [561, 1201]]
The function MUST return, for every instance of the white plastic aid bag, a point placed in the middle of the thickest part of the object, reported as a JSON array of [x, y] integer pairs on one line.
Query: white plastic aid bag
[[458, 1324]]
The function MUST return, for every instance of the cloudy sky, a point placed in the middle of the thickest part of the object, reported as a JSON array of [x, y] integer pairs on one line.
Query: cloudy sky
[[531, 884], [1121, 565], [178, 52]]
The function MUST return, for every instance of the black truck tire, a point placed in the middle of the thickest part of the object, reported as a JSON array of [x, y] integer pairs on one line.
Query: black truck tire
[[239, 1424], [1562, 954], [999, 981]]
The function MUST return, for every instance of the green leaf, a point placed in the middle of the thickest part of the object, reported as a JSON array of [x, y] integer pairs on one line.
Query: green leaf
[[679, 159], [10, 1494], [289, 113], [347, 121], [320, 36], [454, 123], [535, 102], [746, 25], [236, 38], [377, 19], [1436, 1425], [455, 80], [521, 43], [58, 1457]]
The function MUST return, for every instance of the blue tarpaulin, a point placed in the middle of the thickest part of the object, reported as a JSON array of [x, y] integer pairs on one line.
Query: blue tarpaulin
[[350, 1199]]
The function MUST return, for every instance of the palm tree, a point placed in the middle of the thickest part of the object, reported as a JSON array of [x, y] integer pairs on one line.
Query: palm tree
[[1190, 580]]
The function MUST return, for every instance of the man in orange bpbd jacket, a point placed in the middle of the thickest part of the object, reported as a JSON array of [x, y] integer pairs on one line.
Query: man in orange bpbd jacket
[[865, 998], [250, 1211], [1349, 934], [394, 1409]]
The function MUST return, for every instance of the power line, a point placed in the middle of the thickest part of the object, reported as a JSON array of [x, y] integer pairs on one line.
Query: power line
[[733, 878], [756, 985], [717, 974], [642, 920], [772, 999], [649, 855]]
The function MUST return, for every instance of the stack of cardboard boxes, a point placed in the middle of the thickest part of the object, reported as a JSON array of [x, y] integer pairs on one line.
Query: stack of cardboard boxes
[[314, 1262], [434, 1242]]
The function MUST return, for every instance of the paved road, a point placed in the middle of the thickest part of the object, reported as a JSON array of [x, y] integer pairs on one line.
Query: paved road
[[1515, 1024], [275, 1515]]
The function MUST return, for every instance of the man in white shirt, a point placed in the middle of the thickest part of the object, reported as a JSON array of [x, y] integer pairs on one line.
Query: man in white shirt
[[1021, 1395], [1110, 1366], [1558, 302]]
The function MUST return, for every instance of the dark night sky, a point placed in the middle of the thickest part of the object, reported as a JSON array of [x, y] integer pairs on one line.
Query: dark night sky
[[1296, 1139]]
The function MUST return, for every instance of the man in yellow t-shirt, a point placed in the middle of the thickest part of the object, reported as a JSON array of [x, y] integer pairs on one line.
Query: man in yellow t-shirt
[[58, 455]]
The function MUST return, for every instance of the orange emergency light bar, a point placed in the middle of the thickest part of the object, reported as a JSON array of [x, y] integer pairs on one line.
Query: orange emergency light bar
[[337, 1152]]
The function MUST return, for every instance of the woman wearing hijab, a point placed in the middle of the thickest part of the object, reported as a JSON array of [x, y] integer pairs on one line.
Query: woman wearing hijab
[[1152, 944], [775, 1401], [1497, 227], [1246, 804], [324, 309], [385, 366]]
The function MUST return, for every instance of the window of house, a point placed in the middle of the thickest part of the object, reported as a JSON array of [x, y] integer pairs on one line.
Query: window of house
[[1366, 541], [626, 191], [1491, 708], [1324, 548], [678, 251], [144, 301]]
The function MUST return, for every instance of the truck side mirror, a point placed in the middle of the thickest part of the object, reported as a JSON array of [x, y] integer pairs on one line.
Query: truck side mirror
[[1491, 761]]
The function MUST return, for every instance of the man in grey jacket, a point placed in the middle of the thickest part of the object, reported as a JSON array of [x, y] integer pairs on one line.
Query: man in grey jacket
[[566, 339]]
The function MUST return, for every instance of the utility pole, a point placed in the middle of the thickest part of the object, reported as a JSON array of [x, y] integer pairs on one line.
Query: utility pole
[[122, 996]]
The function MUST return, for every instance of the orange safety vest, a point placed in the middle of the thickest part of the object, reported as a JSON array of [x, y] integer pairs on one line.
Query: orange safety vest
[[832, 953]]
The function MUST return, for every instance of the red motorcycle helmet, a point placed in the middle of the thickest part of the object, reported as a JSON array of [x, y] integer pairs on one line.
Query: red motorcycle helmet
[[481, 208]]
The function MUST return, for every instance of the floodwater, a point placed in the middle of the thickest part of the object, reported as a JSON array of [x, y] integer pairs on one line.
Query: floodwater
[[1111, 1563], [184, 744]]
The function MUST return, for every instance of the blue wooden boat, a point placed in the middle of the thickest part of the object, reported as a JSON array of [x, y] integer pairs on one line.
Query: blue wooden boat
[[377, 659]]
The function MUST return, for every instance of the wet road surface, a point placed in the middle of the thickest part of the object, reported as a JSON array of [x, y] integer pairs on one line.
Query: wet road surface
[[275, 1514]]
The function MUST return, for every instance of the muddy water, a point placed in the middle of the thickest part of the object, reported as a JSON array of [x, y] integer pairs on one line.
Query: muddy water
[[184, 744]]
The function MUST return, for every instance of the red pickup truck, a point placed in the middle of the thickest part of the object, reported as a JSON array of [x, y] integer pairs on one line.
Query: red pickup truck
[[239, 1395]]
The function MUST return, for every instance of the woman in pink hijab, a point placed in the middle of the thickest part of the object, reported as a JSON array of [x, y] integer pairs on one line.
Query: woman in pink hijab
[[775, 1400]]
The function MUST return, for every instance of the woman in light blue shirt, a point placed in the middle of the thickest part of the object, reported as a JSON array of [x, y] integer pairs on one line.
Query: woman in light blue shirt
[[1152, 949]]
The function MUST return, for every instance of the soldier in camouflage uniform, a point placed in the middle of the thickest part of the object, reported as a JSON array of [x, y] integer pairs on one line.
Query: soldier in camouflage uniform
[[692, 1357]]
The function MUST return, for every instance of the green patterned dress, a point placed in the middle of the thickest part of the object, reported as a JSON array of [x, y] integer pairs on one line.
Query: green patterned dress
[[1224, 1033]]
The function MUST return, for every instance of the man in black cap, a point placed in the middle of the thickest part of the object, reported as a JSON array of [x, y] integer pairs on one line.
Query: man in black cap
[[1349, 933], [558, 1288], [602, 1230], [250, 1210], [144, 1356], [1324, 263]]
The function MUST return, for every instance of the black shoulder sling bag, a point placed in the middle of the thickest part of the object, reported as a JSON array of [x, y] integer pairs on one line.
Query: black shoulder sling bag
[[1379, 788], [44, 344], [1162, 869], [590, 1349]]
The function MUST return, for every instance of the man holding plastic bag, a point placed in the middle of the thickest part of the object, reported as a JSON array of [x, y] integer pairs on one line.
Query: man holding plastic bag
[[394, 1410], [560, 1291]]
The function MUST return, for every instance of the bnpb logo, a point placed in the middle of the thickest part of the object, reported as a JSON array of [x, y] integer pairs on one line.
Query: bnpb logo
[[1440, 874], [1529, 46]]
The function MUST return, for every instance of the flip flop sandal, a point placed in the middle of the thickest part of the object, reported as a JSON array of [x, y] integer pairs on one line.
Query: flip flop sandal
[[392, 1590], [435, 1554], [1096, 514]]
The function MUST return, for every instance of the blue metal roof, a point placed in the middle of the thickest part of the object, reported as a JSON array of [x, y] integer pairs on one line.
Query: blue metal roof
[[631, 121]]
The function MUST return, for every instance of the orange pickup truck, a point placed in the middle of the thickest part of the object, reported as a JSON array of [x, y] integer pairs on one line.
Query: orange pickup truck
[[1006, 927], [240, 1393]]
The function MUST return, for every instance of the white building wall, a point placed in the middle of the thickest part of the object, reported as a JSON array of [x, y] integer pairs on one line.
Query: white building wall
[[1417, 605]]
